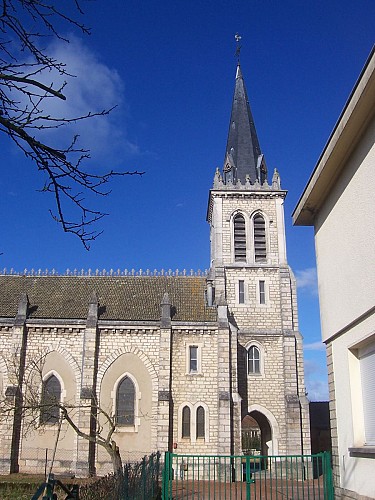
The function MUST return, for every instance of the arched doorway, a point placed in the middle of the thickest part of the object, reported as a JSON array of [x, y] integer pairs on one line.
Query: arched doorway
[[251, 436], [256, 433]]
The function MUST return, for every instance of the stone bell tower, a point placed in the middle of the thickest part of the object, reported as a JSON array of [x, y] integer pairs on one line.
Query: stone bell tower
[[249, 274]]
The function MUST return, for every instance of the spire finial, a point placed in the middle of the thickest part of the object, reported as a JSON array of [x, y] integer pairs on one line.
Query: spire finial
[[238, 46]]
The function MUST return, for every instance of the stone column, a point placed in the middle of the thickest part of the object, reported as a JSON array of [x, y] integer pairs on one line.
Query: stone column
[[165, 399], [85, 460], [223, 381], [236, 398], [16, 374]]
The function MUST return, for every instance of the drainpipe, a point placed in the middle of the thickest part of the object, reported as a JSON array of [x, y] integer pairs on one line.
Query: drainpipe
[[297, 378], [300, 409]]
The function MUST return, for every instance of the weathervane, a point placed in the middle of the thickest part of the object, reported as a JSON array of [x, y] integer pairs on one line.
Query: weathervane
[[238, 46]]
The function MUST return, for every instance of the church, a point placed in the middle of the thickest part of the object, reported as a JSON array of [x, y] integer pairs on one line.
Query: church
[[197, 364]]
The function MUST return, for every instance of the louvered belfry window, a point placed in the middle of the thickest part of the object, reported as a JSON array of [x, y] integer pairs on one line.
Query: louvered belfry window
[[260, 250], [239, 238]]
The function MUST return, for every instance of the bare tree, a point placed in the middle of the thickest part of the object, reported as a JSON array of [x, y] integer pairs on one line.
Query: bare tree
[[31, 406], [25, 25]]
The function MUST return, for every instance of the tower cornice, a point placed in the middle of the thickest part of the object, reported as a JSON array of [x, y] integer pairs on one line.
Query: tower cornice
[[246, 194]]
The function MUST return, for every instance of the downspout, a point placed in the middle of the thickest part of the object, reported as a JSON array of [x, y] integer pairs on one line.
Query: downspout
[[297, 380]]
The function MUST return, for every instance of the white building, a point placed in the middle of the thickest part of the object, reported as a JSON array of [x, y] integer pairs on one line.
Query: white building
[[339, 201]]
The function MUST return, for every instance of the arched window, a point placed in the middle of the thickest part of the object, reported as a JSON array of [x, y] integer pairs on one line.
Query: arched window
[[125, 402], [51, 394], [186, 422], [239, 238], [253, 360], [260, 247], [200, 423]]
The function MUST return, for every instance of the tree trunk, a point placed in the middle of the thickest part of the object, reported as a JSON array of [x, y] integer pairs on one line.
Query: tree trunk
[[115, 457]]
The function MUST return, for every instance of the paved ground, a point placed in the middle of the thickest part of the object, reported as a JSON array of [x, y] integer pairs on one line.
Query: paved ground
[[261, 489]]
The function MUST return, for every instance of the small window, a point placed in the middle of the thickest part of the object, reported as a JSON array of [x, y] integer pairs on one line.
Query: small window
[[51, 394], [193, 359], [262, 292], [367, 369], [241, 292], [200, 423], [186, 422], [253, 360], [125, 402], [260, 250], [239, 238]]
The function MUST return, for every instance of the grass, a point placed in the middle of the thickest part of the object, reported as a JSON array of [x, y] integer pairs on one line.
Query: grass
[[24, 486]]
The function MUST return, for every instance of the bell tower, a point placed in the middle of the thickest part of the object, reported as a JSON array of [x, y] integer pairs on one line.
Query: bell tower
[[249, 274]]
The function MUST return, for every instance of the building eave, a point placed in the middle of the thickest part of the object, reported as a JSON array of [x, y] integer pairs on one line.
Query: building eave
[[354, 118]]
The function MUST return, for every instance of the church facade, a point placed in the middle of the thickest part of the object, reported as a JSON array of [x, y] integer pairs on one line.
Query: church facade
[[178, 362]]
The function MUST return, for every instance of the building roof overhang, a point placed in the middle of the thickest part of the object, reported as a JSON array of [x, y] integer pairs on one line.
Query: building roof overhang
[[354, 118]]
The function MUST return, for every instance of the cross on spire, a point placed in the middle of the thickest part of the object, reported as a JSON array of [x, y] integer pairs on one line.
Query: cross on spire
[[238, 46]]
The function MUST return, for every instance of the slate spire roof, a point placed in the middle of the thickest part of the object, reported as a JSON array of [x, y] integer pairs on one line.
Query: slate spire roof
[[243, 154]]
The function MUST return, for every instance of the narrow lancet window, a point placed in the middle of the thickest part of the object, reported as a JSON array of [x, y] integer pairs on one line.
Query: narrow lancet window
[[125, 402], [239, 238], [51, 396], [200, 422], [186, 422]]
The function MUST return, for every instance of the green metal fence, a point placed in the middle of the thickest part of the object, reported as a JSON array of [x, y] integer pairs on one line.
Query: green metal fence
[[292, 477]]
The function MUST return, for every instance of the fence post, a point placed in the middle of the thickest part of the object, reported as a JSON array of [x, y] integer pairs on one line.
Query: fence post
[[327, 471], [144, 478], [248, 475], [157, 471], [166, 476]]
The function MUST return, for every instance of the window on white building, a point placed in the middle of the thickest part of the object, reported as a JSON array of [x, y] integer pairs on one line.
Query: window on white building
[[366, 357]]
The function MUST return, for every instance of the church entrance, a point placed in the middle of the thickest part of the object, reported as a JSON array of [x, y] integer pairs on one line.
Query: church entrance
[[256, 434]]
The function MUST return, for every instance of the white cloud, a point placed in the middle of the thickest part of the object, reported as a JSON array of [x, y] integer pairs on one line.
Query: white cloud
[[314, 346], [307, 280], [316, 381], [317, 390], [93, 88]]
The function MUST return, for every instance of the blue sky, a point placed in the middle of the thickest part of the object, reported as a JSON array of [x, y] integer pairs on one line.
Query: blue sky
[[170, 68]]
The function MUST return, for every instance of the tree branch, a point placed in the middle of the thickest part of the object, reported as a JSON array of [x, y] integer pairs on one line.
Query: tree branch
[[23, 95]]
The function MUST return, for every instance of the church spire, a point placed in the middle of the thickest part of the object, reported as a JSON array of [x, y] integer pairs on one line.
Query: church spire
[[243, 157]]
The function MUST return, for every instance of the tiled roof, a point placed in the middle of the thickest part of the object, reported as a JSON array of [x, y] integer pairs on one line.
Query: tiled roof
[[127, 298]]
